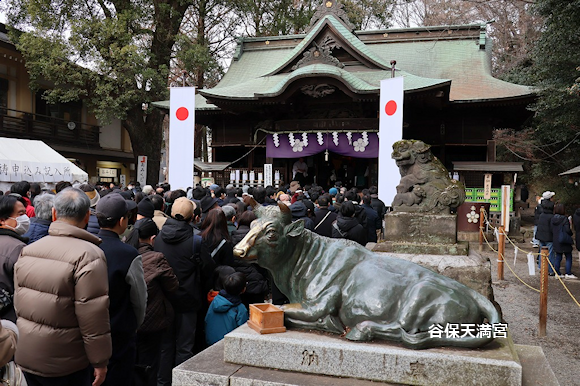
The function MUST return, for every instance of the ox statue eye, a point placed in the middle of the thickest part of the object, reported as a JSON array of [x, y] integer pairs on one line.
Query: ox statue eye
[[272, 235]]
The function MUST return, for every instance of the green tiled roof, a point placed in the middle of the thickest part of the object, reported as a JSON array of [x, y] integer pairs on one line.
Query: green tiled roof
[[426, 56], [460, 60], [363, 82]]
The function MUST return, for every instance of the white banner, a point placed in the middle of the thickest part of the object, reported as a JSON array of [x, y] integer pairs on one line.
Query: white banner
[[390, 131], [181, 136]]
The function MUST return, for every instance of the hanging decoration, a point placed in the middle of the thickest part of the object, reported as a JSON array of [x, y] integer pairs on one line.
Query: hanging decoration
[[359, 145], [298, 146], [335, 138], [276, 140], [349, 137], [320, 138], [305, 139], [291, 139], [365, 137]]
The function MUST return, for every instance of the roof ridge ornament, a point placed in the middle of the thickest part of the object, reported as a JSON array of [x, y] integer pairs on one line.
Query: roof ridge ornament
[[331, 7], [319, 54]]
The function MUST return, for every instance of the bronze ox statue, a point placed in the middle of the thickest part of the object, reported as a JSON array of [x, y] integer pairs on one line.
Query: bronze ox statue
[[343, 288]]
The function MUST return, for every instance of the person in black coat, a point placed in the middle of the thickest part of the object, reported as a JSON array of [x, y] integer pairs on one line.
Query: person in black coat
[[323, 217], [562, 244], [576, 223], [373, 220], [256, 283], [544, 232], [176, 242], [346, 225]]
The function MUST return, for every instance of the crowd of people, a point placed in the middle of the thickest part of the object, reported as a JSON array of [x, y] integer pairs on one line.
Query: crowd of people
[[553, 230], [118, 285]]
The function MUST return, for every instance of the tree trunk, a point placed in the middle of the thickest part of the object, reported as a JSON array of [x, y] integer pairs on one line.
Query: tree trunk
[[146, 138]]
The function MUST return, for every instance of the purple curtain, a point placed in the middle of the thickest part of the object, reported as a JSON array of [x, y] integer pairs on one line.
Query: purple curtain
[[278, 146]]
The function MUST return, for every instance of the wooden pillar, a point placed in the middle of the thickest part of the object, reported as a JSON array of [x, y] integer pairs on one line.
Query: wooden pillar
[[543, 290]]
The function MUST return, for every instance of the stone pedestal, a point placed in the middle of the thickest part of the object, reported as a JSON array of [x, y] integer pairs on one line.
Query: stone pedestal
[[209, 368], [432, 234], [317, 353]]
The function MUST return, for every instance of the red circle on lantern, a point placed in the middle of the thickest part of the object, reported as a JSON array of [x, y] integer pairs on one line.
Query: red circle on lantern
[[182, 113], [391, 107]]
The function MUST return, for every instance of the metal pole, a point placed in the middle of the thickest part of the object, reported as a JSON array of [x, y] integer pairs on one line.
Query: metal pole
[[393, 64], [481, 225], [500, 252], [543, 291]]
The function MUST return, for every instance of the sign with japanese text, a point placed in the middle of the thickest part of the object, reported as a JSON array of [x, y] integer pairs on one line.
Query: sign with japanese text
[[487, 187], [142, 170], [267, 174]]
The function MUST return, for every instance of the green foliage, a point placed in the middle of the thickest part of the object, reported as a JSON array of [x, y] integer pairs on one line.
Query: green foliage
[[369, 14]]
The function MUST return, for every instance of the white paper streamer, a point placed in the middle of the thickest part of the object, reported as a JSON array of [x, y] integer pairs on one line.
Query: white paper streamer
[[515, 254], [349, 137], [291, 139], [276, 140], [305, 139], [335, 138], [320, 138], [531, 264]]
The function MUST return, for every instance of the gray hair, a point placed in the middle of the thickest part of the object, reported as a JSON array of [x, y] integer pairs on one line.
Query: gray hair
[[43, 206], [229, 211], [71, 203]]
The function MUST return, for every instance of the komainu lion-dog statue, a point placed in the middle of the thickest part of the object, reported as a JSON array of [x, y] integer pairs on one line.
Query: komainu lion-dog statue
[[343, 288], [425, 184]]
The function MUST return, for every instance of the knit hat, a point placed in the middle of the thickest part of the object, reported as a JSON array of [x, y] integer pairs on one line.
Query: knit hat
[[182, 209], [93, 197], [145, 208]]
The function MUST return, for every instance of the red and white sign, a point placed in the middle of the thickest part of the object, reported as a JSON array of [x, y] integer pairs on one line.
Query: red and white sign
[[142, 170], [181, 137], [390, 131]]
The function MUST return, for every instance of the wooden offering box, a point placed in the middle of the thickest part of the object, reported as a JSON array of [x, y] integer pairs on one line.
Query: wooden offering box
[[266, 318]]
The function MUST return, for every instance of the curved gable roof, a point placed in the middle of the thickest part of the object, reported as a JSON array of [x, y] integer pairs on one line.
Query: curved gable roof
[[341, 31]]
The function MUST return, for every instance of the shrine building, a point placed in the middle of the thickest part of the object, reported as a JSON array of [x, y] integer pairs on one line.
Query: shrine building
[[316, 95]]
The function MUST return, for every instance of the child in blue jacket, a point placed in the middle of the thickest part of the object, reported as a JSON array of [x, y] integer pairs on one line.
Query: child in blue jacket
[[226, 311]]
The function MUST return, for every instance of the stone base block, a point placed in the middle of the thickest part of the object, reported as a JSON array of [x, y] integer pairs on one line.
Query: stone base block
[[208, 368], [460, 248], [317, 353], [421, 228]]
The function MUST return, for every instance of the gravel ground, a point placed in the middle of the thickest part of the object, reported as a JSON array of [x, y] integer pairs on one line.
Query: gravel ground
[[520, 306]]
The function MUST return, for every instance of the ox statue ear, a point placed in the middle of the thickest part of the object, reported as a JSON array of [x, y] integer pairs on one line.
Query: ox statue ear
[[295, 229]]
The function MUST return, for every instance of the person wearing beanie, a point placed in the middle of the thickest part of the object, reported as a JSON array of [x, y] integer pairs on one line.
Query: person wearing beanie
[[94, 197]]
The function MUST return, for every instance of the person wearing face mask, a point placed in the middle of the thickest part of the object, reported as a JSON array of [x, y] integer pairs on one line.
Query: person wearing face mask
[[13, 224]]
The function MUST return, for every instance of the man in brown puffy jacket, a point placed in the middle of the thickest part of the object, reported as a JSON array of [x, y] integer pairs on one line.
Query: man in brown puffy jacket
[[61, 300]]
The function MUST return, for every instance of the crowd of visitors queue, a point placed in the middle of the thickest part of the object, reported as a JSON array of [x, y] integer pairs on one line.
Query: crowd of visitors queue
[[103, 285], [553, 229]]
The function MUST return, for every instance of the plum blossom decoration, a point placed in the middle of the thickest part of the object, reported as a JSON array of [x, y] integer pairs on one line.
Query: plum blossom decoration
[[298, 146], [359, 145]]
